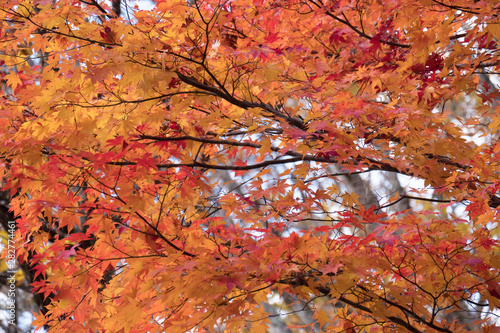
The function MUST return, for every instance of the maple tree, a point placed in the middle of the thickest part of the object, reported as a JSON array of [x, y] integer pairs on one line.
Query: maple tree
[[174, 168]]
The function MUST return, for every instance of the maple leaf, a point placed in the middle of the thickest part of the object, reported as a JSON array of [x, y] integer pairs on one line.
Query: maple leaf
[[71, 252], [272, 37]]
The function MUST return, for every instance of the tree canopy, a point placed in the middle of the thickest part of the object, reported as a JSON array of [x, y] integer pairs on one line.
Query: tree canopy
[[176, 169]]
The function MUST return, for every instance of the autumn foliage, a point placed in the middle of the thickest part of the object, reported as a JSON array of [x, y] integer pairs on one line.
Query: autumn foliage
[[172, 169]]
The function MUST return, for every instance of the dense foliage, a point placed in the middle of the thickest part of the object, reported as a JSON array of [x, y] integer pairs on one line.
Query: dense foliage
[[176, 169]]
